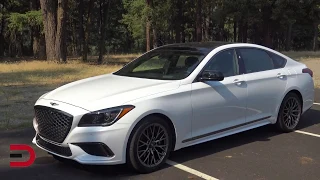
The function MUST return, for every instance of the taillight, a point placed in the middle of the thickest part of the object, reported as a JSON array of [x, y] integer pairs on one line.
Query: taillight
[[307, 70]]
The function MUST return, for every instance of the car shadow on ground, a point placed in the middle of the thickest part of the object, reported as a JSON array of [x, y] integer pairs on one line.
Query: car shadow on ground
[[208, 148], [259, 134], [71, 169]]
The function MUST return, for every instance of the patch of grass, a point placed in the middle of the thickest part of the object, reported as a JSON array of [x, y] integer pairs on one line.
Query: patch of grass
[[23, 82], [311, 59], [42, 73], [303, 55]]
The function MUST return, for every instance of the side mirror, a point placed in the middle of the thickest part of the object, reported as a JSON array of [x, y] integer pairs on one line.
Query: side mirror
[[211, 76]]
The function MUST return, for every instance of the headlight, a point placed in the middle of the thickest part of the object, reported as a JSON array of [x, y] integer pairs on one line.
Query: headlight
[[105, 117]]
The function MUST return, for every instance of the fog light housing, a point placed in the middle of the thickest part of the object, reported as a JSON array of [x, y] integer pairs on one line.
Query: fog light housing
[[95, 149]]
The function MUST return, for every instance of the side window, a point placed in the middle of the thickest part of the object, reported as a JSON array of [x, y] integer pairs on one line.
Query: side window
[[255, 60], [278, 61], [225, 62]]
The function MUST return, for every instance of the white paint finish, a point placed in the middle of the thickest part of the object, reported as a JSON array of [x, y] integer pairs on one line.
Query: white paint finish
[[192, 107], [317, 104], [108, 91], [307, 133], [265, 91], [174, 104], [213, 102], [190, 170]]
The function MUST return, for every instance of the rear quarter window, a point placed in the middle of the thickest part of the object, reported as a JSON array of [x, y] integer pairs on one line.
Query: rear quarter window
[[278, 61]]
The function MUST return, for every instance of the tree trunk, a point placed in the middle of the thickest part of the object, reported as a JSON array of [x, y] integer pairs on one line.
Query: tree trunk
[[75, 40], [267, 38], [61, 47], [34, 4], [315, 36], [104, 13], [267, 23], [148, 26], [155, 38], [101, 29], [35, 42], [49, 14], [245, 32], [148, 35], [288, 39], [234, 30], [221, 32], [81, 27], [2, 38], [42, 47], [266, 35], [177, 21], [183, 35], [207, 28], [199, 21], [87, 33], [177, 30], [178, 34], [35, 34], [240, 31]]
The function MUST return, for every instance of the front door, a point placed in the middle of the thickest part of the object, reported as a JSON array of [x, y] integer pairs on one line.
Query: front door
[[217, 106]]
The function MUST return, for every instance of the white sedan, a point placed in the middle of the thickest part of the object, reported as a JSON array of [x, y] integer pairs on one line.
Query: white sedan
[[170, 98]]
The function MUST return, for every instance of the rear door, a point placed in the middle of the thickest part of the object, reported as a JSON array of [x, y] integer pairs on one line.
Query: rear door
[[266, 82]]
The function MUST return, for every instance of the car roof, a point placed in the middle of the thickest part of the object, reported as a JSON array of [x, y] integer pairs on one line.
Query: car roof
[[204, 47], [207, 47]]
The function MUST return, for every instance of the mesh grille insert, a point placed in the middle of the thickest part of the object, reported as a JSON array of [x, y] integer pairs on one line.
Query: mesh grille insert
[[53, 124]]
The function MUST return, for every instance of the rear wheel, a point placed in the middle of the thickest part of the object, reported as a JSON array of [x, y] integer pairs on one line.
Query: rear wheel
[[150, 145], [289, 113]]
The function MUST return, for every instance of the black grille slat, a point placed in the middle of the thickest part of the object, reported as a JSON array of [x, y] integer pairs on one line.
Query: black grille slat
[[53, 124], [64, 151]]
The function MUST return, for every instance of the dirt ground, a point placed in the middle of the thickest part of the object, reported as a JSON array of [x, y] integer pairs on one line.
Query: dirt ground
[[21, 84], [314, 65]]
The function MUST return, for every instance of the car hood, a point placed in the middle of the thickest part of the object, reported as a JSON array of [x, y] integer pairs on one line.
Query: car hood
[[108, 91]]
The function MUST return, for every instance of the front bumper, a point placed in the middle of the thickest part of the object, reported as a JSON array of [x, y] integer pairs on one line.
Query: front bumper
[[109, 143], [115, 139]]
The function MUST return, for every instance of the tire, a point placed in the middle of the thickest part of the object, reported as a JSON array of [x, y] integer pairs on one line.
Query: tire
[[289, 113], [148, 151]]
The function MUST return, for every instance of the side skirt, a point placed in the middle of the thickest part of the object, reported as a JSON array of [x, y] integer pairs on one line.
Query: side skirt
[[227, 129]]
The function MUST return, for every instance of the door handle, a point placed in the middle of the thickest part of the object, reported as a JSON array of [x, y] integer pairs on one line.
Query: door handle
[[238, 82], [281, 76]]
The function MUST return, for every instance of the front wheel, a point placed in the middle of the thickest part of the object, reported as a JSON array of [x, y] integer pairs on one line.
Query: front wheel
[[289, 113], [150, 145]]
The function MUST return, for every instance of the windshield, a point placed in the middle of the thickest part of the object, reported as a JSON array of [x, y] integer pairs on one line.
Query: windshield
[[163, 64]]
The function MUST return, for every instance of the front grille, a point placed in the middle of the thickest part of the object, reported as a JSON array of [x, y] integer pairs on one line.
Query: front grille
[[53, 124], [64, 151]]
